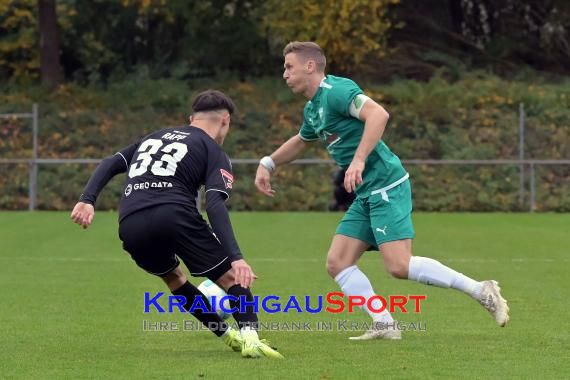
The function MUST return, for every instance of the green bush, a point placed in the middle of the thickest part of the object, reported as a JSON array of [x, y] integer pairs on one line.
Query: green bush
[[475, 117]]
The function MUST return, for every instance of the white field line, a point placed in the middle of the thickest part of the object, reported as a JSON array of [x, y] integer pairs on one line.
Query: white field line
[[284, 260]]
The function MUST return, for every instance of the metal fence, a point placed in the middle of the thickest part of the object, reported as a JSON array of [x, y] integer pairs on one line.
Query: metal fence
[[33, 161], [521, 162]]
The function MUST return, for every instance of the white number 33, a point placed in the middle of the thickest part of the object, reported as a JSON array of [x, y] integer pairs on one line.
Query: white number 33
[[164, 167]]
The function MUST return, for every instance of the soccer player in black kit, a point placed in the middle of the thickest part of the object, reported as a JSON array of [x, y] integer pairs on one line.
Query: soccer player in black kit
[[159, 222]]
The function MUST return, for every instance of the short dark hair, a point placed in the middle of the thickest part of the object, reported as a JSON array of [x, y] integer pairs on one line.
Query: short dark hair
[[307, 50], [213, 100]]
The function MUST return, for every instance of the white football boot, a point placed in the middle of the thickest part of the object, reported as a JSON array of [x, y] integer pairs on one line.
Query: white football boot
[[380, 330], [495, 304]]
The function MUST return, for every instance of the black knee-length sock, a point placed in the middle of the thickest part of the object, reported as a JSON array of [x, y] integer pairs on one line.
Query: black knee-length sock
[[211, 320], [248, 316]]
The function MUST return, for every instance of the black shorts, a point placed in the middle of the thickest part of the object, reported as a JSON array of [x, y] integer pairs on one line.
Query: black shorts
[[156, 237]]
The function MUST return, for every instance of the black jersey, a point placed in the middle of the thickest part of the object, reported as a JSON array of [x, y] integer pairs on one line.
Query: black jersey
[[170, 165]]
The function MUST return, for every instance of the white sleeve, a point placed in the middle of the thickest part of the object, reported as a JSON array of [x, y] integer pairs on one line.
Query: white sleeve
[[357, 104]]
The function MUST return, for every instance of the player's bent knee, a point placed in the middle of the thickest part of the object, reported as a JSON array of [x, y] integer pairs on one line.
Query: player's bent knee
[[226, 281], [331, 269], [174, 279], [398, 270], [334, 267]]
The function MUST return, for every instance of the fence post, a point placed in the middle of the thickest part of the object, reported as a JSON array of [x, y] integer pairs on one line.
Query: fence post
[[521, 152], [532, 188], [33, 185]]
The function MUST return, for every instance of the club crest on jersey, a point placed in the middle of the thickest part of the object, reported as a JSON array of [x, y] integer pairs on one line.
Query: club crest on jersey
[[332, 138], [228, 178], [329, 139]]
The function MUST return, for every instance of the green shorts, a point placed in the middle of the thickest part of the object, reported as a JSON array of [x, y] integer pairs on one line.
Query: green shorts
[[381, 217]]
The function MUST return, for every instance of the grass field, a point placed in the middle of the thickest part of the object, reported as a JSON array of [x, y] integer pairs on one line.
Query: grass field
[[72, 303]]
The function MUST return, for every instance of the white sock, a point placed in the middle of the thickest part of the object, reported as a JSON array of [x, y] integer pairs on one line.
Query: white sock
[[355, 283], [432, 272], [248, 331]]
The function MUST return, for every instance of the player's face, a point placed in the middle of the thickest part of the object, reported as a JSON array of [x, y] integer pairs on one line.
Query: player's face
[[296, 73]]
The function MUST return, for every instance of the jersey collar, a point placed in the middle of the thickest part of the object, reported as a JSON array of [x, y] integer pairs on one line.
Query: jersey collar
[[324, 84], [321, 85]]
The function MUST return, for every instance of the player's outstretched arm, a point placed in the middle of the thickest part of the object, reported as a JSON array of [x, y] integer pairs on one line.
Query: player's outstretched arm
[[84, 211], [287, 152]]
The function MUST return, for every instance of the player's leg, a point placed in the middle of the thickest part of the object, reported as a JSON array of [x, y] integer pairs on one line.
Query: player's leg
[[205, 257], [353, 237], [146, 236], [393, 231], [341, 265], [202, 253], [180, 286], [245, 316], [252, 346], [400, 263], [342, 257]]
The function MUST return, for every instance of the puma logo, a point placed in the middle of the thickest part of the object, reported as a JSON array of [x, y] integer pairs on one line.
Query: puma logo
[[382, 230]]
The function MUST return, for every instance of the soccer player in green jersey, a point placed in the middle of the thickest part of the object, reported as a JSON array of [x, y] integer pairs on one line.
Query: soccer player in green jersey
[[350, 125]]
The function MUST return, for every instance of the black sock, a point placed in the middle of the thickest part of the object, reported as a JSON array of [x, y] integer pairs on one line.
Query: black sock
[[211, 320], [248, 317]]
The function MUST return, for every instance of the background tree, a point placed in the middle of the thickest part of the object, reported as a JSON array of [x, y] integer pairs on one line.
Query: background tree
[[502, 36], [19, 55], [348, 30], [50, 68], [102, 41]]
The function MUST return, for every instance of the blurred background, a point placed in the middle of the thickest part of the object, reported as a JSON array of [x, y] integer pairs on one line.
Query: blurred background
[[478, 93]]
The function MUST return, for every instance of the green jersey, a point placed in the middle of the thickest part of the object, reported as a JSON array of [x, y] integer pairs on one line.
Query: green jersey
[[327, 118]]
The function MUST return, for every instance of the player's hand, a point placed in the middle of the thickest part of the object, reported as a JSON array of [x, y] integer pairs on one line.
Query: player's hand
[[243, 273], [263, 181], [353, 175], [83, 214]]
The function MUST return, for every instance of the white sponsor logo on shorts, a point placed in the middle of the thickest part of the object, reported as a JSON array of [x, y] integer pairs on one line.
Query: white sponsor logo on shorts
[[382, 230]]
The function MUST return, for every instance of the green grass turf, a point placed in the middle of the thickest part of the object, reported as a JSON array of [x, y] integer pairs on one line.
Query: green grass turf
[[72, 303]]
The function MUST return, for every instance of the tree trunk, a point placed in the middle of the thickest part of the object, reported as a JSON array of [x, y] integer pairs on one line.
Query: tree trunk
[[50, 68]]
